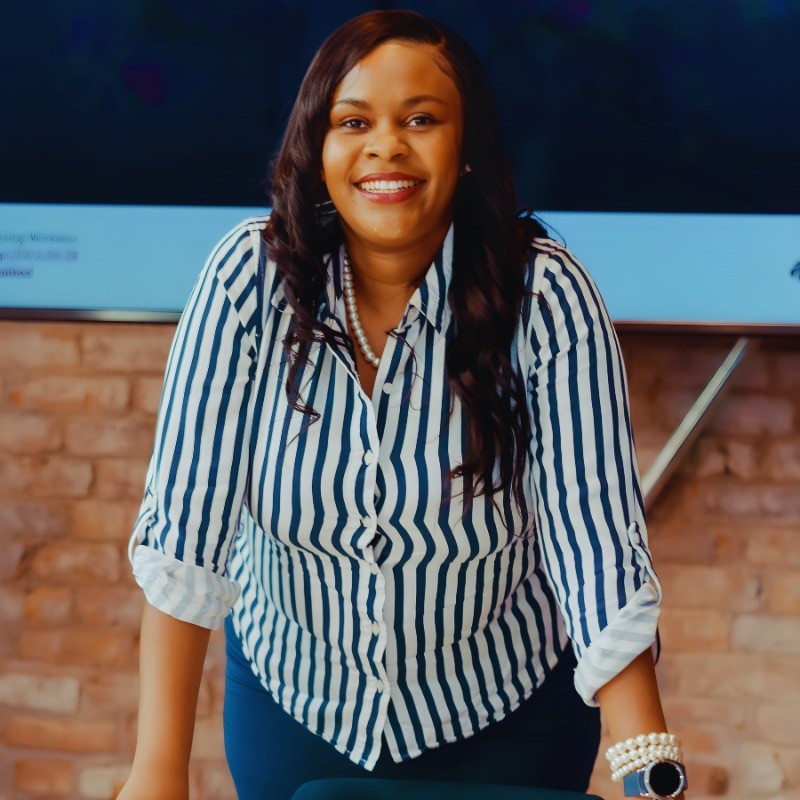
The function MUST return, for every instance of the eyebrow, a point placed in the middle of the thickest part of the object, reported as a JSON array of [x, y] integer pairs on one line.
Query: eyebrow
[[409, 101]]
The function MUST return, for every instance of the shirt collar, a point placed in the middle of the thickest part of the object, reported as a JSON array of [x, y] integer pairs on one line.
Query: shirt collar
[[429, 298]]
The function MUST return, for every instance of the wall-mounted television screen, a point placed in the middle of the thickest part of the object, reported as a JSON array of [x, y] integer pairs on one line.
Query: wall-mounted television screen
[[659, 141]]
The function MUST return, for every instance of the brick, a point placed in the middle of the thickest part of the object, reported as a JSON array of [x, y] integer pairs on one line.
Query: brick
[[686, 365], [105, 520], [40, 345], [774, 546], [13, 563], [72, 735], [688, 711], [72, 393], [215, 781], [62, 477], [147, 394], [109, 607], [686, 630], [738, 500], [757, 770], [84, 561], [43, 775], [108, 437], [778, 722], [123, 352], [205, 696], [33, 519], [687, 543], [58, 695], [768, 634], [712, 780], [48, 604], [700, 586], [110, 692], [789, 760], [753, 372], [103, 782], [753, 415], [729, 676], [782, 460], [16, 475], [786, 370], [79, 647], [730, 543], [208, 741], [708, 459], [714, 458], [783, 592], [11, 603], [780, 678], [29, 433], [120, 478]]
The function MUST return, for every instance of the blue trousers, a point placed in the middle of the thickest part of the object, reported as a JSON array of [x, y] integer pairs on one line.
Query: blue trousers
[[550, 741]]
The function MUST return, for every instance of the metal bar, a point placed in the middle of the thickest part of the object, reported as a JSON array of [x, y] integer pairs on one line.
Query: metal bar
[[696, 418]]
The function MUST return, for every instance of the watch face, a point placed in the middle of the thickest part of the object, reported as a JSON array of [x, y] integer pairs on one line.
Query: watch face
[[665, 778]]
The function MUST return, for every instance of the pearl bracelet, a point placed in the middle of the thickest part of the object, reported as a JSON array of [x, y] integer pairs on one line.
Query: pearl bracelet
[[650, 753], [638, 752], [641, 740]]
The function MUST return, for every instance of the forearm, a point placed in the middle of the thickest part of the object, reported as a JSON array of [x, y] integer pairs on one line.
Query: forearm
[[172, 654], [630, 702]]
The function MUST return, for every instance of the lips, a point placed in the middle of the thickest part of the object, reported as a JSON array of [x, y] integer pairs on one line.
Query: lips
[[386, 186], [389, 187]]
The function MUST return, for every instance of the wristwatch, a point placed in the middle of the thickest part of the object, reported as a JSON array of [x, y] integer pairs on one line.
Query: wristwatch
[[660, 779]]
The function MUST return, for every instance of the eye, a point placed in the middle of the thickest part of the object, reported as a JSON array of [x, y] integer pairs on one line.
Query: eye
[[353, 124], [421, 120]]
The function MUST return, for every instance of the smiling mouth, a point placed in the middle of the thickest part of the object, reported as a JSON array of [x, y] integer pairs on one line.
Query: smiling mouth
[[387, 187]]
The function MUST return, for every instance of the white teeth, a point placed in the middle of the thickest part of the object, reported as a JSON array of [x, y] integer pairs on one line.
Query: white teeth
[[387, 186]]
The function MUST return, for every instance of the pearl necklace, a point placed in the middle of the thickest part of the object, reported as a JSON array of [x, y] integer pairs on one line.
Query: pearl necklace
[[352, 314]]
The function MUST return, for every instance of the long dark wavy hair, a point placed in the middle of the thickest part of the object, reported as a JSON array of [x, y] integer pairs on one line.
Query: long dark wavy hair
[[491, 244]]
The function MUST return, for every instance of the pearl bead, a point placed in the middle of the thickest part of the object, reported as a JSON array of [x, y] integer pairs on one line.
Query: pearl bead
[[641, 740], [352, 313]]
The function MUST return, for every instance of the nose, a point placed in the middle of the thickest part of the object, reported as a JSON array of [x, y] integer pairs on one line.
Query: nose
[[386, 145]]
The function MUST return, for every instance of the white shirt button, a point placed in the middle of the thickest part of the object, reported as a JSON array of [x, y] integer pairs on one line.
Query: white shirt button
[[366, 522], [388, 388], [369, 457], [379, 686], [376, 628], [374, 568]]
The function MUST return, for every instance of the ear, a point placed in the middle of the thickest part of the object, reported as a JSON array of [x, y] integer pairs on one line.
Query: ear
[[322, 174]]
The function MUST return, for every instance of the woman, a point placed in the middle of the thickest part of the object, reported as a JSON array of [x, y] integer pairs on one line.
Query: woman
[[394, 444]]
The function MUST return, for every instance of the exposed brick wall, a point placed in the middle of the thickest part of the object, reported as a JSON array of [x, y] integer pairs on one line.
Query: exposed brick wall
[[77, 410]]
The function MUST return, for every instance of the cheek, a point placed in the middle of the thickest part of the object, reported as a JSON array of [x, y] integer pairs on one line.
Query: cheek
[[334, 160]]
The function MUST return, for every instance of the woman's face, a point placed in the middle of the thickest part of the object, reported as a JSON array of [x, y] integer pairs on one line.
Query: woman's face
[[391, 155]]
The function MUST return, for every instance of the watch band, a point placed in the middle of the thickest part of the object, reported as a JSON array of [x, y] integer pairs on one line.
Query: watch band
[[640, 782]]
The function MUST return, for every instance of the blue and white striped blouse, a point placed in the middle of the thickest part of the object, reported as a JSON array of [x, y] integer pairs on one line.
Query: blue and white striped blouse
[[366, 605]]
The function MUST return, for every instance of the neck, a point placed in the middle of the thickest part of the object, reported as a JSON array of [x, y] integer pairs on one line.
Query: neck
[[385, 279]]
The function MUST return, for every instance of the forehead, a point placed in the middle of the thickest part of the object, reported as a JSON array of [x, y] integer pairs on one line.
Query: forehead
[[395, 69]]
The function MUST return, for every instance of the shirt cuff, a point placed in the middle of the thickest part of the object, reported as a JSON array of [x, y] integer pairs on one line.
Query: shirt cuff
[[184, 591], [632, 630]]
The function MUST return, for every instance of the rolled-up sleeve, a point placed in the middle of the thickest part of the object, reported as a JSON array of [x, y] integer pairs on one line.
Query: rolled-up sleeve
[[589, 508], [198, 470]]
